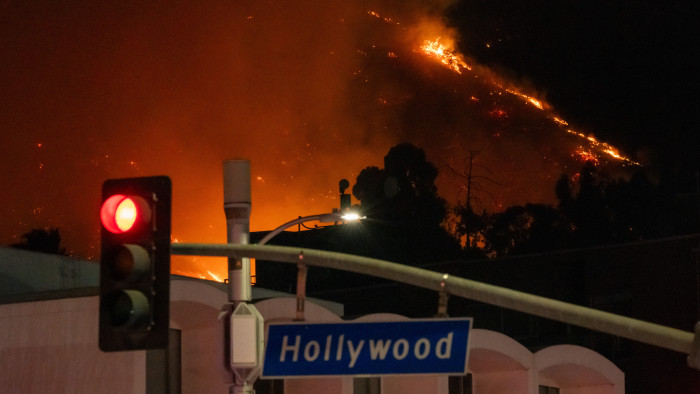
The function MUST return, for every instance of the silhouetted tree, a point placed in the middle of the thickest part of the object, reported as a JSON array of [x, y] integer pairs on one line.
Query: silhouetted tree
[[591, 212], [41, 240], [562, 189], [403, 208], [525, 229], [593, 209], [468, 224], [404, 191], [605, 211], [369, 188]]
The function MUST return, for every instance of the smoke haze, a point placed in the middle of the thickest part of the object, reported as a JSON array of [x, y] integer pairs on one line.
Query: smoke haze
[[310, 92]]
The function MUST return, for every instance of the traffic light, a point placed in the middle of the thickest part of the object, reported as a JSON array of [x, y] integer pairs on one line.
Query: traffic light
[[135, 264]]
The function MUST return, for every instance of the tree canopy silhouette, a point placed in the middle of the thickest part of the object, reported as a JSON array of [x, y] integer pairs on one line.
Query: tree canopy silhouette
[[593, 209], [46, 240], [404, 190], [524, 229], [403, 207], [606, 210]]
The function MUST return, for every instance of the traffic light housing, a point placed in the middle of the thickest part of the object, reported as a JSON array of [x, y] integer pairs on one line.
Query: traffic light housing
[[135, 264]]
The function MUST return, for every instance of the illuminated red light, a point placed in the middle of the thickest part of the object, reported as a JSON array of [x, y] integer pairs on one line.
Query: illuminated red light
[[121, 213]]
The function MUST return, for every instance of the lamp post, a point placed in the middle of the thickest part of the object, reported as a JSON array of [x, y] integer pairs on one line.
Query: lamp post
[[332, 217], [245, 325]]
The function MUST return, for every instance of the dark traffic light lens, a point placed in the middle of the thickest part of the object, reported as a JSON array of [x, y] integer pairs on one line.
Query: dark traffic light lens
[[128, 308], [131, 262]]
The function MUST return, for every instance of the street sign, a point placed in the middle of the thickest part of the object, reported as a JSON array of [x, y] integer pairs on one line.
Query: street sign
[[431, 346]]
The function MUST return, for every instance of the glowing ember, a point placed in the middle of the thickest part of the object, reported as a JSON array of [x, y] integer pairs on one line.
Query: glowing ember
[[499, 113], [376, 15], [586, 155], [445, 56]]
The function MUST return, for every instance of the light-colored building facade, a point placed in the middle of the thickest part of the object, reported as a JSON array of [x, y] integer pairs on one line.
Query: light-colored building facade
[[49, 326]]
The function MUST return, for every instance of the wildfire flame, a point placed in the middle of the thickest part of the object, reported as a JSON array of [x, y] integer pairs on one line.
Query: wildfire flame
[[537, 103], [455, 62], [603, 146], [440, 52]]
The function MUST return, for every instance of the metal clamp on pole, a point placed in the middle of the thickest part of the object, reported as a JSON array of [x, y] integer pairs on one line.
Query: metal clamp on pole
[[694, 356], [443, 297], [301, 286]]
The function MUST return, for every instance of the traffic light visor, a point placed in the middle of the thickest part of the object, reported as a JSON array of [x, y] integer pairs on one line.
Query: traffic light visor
[[121, 213]]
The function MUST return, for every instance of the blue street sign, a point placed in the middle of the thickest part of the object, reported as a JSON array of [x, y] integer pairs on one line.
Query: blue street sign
[[436, 346]]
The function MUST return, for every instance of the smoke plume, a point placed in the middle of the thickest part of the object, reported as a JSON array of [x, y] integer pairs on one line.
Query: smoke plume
[[310, 92]]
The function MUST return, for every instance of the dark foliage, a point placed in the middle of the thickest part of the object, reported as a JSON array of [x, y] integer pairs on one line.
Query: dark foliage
[[593, 209], [404, 191], [41, 240], [525, 229], [403, 208], [606, 211]]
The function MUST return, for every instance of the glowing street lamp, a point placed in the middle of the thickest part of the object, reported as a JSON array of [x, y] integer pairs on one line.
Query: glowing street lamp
[[332, 217], [352, 217]]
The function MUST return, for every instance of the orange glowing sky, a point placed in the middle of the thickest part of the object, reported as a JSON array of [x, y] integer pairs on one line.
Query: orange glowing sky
[[309, 92]]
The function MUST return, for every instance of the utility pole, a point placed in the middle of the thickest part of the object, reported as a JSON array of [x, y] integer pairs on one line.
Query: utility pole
[[245, 324], [237, 207]]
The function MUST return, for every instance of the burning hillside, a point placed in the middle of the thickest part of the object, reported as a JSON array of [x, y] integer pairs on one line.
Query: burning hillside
[[435, 98], [295, 88]]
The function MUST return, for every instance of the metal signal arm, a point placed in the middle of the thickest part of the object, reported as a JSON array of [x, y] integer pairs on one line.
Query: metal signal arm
[[626, 327]]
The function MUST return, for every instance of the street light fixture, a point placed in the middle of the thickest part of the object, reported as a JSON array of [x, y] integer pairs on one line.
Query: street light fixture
[[352, 217], [332, 217]]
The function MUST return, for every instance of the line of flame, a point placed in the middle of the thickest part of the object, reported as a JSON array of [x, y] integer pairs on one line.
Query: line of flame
[[455, 62]]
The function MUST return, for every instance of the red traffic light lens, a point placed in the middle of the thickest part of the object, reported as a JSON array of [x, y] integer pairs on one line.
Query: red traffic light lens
[[121, 213]]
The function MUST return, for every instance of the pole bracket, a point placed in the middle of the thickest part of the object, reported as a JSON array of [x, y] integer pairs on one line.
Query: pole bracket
[[694, 356], [301, 286], [443, 297]]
